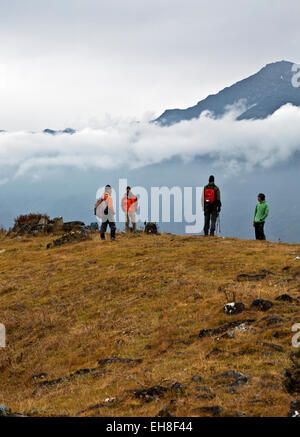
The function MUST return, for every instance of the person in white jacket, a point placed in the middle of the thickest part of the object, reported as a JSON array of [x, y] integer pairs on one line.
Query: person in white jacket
[[105, 210]]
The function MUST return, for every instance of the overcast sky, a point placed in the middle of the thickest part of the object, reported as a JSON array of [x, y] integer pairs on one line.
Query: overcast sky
[[73, 62]]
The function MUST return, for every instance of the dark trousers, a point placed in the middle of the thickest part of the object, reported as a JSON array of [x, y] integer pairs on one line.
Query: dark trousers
[[103, 228], [210, 218], [259, 231]]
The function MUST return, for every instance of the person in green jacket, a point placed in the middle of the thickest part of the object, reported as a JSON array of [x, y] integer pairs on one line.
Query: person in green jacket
[[260, 215]]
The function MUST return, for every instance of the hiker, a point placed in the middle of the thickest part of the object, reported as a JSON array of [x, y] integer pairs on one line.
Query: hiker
[[129, 206], [211, 204], [104, 209], [260, 215]]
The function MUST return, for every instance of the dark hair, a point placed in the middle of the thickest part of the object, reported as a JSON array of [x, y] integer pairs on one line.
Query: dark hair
[[262, 196], [128, 188], [107, 186], [211, 178]]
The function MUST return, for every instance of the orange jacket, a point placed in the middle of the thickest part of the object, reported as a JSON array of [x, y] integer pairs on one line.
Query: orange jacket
[[109, 202], [129, 204], [106, 201]]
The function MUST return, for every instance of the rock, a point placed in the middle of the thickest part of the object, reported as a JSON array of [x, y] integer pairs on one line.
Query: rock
[[284, 298], [207, 394], [234, 308], [224, 328], [243, 327], [177, 387], [73, 236], [57, 224], [238, 377], [272, 346], [231, 390], [197, 378], [215, 351], [246, 277], [106, 361], [39, 376], [203, 388], [4, 410], [272, 320], [151, 393], [295, 409], [43, 221], [206, 397], [261, 304], [214, 411], [164, 412], [292, 375], [71, 226], [227, 336]]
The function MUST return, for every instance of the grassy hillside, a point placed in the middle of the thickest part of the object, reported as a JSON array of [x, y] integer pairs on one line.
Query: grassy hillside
[[144, 298]]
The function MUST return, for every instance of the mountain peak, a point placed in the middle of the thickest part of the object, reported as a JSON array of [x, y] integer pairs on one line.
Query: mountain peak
[[262, 94]]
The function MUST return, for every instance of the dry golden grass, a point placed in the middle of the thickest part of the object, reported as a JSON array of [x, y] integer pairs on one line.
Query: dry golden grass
[[141, 297]]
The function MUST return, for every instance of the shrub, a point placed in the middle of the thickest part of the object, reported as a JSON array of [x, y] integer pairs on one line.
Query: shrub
[[28, 218]]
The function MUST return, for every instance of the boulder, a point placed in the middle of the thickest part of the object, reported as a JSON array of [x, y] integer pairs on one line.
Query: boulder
[[4, 410], [73, 226], [214, 410], [284, 298], [237, 377], [261, 304], [292, 375], [234, 308], [295, 409]]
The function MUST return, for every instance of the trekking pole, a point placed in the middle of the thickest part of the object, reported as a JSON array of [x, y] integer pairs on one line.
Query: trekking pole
[[219, 223]]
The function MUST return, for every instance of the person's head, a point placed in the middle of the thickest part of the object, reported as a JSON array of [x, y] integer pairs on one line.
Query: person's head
[[128, 189], [211, 179], [261, 197], [108, 189]]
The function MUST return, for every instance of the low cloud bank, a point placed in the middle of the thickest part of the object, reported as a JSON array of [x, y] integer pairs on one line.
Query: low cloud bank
[[236, 145]]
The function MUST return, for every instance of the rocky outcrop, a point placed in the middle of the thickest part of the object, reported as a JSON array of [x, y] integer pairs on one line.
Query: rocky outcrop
[[292, 375], [41, 224], [71, 237], [36, 224]]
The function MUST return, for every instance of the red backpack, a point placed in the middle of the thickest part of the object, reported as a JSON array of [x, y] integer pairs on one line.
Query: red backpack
[[209, 196]]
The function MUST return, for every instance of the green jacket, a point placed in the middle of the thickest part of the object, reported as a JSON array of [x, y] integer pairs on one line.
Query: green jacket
[[261, 212]]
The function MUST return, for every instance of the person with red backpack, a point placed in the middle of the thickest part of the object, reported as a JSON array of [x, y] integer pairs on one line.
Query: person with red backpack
[[211, 204]]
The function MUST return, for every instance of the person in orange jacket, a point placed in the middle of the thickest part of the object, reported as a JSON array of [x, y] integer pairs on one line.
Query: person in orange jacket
[[129, 206], [104, 209]]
